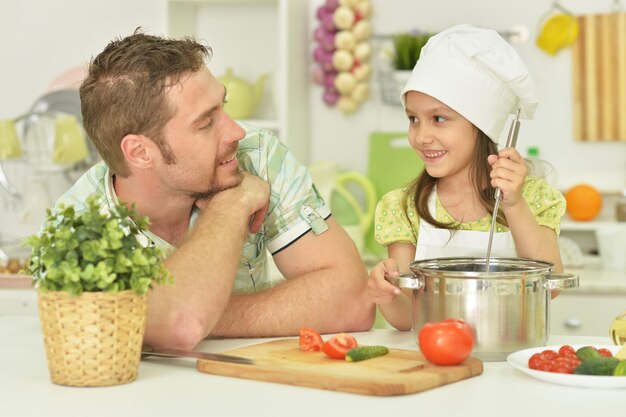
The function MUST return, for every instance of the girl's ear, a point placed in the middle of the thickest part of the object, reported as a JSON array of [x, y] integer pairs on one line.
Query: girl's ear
[[138, 151]]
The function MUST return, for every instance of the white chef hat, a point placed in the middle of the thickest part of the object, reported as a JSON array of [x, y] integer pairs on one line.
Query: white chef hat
[[476, 73]]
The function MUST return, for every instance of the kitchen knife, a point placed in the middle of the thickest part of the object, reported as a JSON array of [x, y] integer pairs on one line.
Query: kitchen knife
[[178, 353]]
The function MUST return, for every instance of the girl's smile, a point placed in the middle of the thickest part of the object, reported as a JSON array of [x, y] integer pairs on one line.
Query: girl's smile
[[433, 156]]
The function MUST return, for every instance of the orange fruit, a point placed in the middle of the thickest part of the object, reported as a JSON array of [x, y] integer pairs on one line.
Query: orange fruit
[[584, 202]]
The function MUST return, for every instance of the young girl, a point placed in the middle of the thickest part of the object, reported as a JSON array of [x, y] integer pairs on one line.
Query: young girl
[[463, 88]]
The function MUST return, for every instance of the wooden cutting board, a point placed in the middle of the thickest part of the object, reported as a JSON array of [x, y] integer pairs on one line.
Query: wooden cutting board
[[397, 373]]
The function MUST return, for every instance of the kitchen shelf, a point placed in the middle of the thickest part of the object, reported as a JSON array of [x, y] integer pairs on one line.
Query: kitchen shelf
[[255, 37]]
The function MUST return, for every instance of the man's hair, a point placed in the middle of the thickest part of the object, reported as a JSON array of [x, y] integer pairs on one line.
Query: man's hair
[[125, 89]]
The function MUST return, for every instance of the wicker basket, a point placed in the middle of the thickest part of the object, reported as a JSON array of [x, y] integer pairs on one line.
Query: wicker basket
[[94, 339]]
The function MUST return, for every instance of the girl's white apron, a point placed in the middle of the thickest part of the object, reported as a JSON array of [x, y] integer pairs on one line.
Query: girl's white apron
[[440, 243]]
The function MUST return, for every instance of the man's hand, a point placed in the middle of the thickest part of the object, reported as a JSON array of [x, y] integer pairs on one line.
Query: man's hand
[[256, 193], [183, 314], [252, 194]]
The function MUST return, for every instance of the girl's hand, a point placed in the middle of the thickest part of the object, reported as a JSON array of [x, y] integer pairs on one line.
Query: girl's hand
[[508, 173], [382, 291]]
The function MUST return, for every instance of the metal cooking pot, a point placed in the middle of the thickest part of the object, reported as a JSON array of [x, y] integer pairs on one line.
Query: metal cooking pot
[[508, 306]]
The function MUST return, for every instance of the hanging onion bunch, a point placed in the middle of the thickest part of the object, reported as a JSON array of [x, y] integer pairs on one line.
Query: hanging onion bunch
[[343, 53]]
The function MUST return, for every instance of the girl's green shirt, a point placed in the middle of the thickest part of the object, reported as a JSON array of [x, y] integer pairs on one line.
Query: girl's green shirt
[[394, 225]]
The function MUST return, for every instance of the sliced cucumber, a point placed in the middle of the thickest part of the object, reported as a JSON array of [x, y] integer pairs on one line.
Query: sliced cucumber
[[365, 352]]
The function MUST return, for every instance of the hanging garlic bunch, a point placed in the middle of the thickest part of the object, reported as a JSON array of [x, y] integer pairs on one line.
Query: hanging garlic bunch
[[343, 53]]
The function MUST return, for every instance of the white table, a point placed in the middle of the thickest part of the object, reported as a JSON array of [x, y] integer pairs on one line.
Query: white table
[[173, 387]]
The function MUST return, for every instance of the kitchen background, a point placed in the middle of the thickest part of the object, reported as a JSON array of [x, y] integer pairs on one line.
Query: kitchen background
[[44, 45]]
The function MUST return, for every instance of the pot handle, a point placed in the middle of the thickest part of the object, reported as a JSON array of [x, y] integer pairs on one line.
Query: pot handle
[[407, 280], [561, 281]]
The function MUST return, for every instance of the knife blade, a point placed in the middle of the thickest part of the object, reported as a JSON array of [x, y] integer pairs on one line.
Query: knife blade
[[178, 353]]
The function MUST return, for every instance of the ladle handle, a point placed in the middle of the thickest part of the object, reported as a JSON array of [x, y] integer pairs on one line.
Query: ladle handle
[[511, 141]]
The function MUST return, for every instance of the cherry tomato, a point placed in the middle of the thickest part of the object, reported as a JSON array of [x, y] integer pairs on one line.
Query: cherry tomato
[[564, 365], [549, 354], [605, 352], [546, 366], [571, 360], [310, 340], [535, 360], [567, 350], [560, 368], [448, 342], [339, 345], [564, 362]]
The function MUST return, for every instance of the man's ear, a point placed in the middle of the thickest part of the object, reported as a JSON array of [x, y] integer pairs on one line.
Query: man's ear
[[138, 150]]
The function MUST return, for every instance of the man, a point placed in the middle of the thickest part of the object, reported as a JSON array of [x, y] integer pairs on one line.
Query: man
[[218, 193]]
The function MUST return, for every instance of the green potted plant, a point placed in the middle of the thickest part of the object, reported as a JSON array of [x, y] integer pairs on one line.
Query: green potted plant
[[407, 48], [93, 269], [405, 53]]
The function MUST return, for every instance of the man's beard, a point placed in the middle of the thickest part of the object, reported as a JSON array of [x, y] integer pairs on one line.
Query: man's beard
[[217, 188], [170, 159]]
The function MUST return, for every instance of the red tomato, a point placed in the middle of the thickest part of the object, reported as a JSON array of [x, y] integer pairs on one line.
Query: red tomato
[[546, 366], [548, 354], [572, 361], [563, 365], [564, 362], [567, 350], [560, 368], [339, 345], [535, 360], [605, 352], [448, 342], [310, 340]]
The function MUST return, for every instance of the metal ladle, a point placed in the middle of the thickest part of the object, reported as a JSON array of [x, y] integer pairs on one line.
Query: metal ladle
[[511, 141]]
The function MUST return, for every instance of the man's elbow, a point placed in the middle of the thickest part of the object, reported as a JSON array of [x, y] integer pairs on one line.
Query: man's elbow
[[360, 310], [368, 317], [360, 315], [183, 332]]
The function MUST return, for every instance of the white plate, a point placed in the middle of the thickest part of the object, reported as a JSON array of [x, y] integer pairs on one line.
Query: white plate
[[520, 358]]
